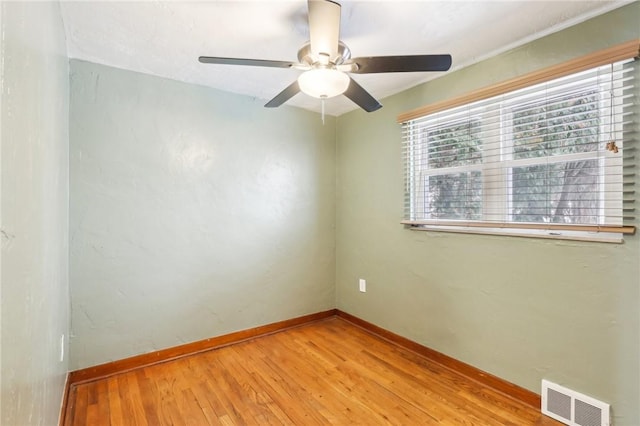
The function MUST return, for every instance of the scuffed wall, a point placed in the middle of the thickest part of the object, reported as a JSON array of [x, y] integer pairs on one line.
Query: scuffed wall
[[33, 212], [523, 309], [194, 213]]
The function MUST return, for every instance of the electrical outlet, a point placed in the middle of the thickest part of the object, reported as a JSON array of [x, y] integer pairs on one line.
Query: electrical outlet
[[363, 285], [62, 348]]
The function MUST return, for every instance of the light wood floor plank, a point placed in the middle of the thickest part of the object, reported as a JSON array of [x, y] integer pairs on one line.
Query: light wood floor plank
[[328, 372], [115, 408]]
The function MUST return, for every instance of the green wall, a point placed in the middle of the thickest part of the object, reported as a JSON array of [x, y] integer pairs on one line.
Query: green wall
[[34, 212], [523, 309], [194, 213]]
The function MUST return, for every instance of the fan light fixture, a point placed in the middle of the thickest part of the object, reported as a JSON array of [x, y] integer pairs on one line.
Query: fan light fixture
[[323, 83]]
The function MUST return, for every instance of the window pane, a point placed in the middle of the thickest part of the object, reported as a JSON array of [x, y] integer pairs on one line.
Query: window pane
[[563, 124], [454, 145], [556, 193], [454, 196]]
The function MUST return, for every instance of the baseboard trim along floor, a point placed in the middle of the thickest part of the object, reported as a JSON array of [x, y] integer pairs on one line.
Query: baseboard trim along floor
[[514, 391], [120, 366]]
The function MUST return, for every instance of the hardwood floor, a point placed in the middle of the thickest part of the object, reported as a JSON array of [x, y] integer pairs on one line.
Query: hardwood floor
[[328, 372]]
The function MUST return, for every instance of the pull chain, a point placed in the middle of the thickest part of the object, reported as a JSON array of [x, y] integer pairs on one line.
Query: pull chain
[[611, 145], [322, 100]]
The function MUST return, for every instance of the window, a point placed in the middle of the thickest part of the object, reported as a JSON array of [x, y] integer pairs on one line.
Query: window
[[553, 159]]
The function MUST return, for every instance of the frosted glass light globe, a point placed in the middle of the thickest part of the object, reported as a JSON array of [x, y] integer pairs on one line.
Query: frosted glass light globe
[[323, 82]]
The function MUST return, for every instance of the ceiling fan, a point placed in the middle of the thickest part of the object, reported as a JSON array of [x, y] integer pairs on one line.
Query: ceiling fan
[[326, 61]]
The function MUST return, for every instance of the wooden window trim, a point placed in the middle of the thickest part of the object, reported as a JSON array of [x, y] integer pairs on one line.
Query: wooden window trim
[[515, 225], [620, 52]]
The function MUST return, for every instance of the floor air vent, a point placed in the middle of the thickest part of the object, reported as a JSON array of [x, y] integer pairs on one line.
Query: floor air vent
[[573, 408]]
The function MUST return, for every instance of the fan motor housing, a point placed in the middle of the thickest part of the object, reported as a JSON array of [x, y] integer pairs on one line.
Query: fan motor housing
[[305, 56]]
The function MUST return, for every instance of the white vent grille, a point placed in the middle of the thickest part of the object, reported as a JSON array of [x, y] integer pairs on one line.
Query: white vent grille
[[573, 408]]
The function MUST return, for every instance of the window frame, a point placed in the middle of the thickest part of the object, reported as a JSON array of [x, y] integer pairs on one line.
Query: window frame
[[504, 225]]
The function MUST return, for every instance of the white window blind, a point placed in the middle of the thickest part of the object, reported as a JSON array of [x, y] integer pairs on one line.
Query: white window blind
[[559, 155]]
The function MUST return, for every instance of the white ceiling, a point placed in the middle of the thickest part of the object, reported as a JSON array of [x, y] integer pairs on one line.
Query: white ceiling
[[165, 38]]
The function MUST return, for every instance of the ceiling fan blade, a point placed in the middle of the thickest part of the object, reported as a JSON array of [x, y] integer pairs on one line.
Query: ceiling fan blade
[[282, 97], [324, 27], [361, 97], [250, 62], [379, 64]]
